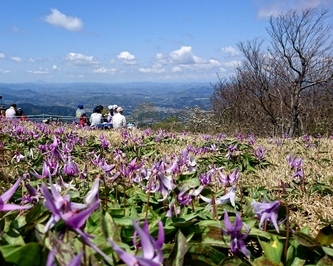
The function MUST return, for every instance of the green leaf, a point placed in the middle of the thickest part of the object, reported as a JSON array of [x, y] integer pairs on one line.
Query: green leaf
[[203, 253], [272, 250], [328, 251], [26, 255], [178, 251], [298, 262], [109, 228], [325, 236], [306, 240], [232, 261], [263, 261], [13, 237]]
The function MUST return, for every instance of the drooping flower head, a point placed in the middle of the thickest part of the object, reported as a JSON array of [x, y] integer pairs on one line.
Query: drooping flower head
[[267, 211], [236, 236], [152, 254]]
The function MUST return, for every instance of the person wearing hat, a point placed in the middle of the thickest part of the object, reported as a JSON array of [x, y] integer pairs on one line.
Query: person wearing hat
[[110, 114], [119, 120], [80, 115], [11, 111]]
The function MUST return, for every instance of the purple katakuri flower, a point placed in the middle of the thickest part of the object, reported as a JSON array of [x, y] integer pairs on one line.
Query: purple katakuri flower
[[71, 168], [236, 236], [152, 254], [107, 168], [230, 196], [118, 155], [59, 130], [58, 205], [220, 136], [267, 211], [231, 149], [299, 173], [84, 173], [163, 184], [5, 197], [191, 164], [104, 142], [92, 195], [173, 210], [306, 138], [206, 178], [67, 147], [185, 199], [213, 147], [54, 149], [294, 162], [17, 157], [252, 139], [174, 168], [259, 153], [227, 179], [96, 160], [240, 137], [33, 194], [46, 171]]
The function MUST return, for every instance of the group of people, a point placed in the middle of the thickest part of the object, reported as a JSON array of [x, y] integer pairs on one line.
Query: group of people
[[113, 119], [13, 112]]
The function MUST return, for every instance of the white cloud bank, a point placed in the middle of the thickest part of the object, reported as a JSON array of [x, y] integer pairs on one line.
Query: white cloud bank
[[77, 59], [59, 19]]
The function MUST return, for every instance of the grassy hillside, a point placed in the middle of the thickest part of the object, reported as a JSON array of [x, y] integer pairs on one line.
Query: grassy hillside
[[107, 184]]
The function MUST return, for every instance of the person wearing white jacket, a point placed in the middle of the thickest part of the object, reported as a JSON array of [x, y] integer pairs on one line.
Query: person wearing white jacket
[[118, 119]]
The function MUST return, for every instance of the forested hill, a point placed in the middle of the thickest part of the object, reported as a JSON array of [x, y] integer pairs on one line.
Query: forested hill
[[62, 98]]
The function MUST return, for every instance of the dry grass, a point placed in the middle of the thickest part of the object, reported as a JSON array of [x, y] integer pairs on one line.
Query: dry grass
[[310, 208]]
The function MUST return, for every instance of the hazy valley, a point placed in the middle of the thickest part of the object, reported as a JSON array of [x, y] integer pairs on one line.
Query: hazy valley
[[62, 98]]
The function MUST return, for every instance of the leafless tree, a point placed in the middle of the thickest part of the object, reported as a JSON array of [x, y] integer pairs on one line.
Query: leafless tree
[[282, 89], [301, 56]]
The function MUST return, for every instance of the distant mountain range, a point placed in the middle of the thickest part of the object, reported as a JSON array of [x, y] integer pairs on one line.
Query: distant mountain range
[[62, 98]]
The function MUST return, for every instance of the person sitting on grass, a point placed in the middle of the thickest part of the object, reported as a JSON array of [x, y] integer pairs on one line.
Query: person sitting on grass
[[118, 119], [11, 111], [80, 115], [96, 118]]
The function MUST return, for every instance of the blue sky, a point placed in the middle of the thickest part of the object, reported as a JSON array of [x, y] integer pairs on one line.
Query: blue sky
[[131, 40]]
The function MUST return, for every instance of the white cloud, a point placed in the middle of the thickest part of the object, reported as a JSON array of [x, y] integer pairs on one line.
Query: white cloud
[[78, 59], [40, 71], [56, 18], [184, 59], [232, 63], [127, 58], [230, 51], [54, 67], [4, 71], [104, 70], [16, 59], [275, 7], [183, 56], [176, 69], [2, 56], [151, 70]]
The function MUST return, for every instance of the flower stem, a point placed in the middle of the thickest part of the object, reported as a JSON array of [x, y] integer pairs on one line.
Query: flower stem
[[287, 235]]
